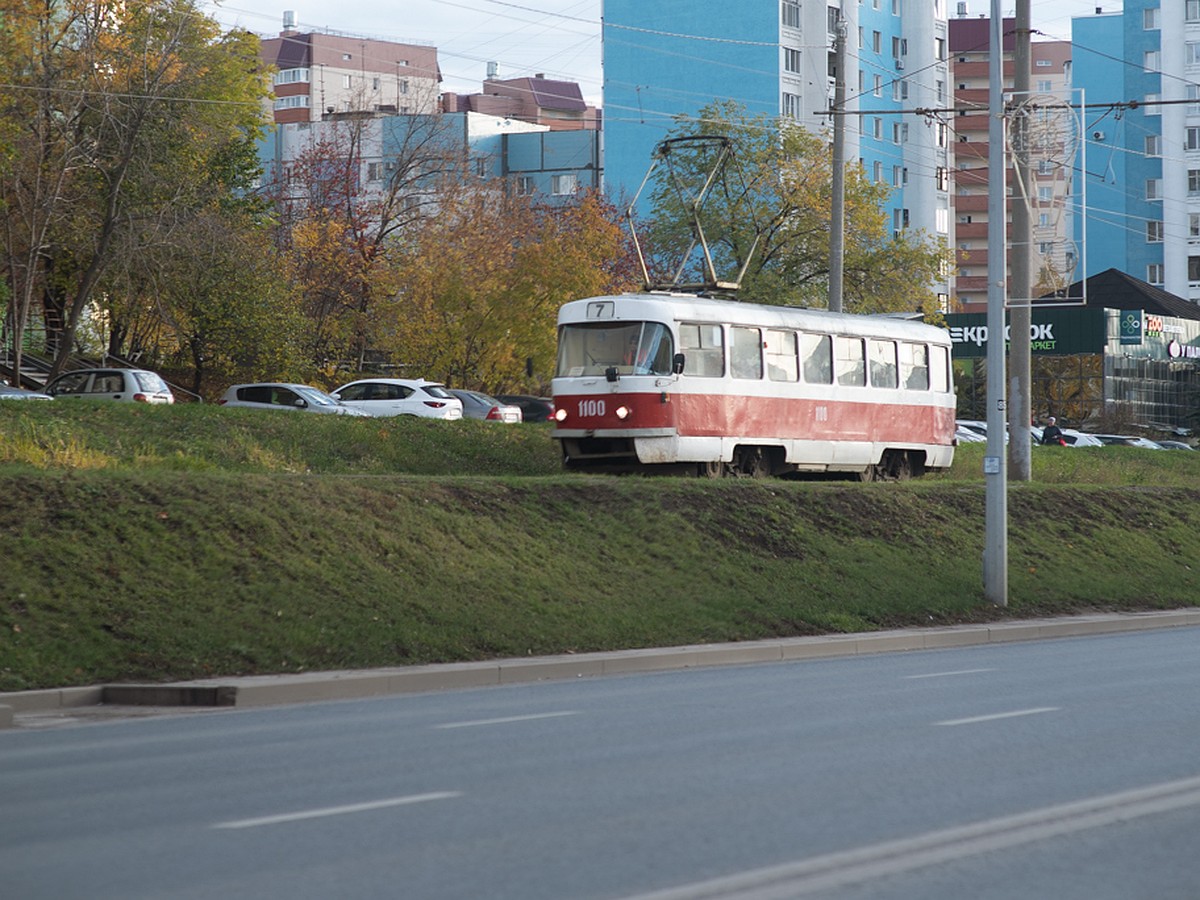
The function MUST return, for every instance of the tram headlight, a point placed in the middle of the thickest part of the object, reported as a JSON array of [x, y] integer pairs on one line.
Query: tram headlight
[[560, 415], [624, 412]]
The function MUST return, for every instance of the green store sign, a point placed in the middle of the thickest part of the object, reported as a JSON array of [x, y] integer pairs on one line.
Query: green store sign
[[1053, 332]]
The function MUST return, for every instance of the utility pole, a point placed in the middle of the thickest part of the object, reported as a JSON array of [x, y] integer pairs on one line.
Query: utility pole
[[995, 554], [1020, 408], [837, 205]]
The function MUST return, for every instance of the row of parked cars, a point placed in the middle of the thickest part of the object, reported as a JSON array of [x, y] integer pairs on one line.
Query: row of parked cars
[[365, 397], [972, 430]]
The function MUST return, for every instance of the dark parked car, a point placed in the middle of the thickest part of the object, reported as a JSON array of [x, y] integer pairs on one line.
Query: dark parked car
[[534, 409], [485, 406]]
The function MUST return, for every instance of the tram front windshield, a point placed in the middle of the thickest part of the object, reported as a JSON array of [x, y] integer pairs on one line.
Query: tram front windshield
[[633, 348]]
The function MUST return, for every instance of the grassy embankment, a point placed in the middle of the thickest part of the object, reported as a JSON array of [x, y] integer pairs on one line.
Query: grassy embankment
[[164, 543]]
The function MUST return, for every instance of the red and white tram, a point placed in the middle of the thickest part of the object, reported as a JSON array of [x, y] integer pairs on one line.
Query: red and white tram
[[660, 380]]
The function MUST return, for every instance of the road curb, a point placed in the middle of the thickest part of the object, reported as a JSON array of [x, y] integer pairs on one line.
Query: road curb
[[275, 690]]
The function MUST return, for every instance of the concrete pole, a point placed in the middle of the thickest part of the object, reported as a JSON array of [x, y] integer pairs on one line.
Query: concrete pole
[[837, 204], [1020, 285], [995, 554]]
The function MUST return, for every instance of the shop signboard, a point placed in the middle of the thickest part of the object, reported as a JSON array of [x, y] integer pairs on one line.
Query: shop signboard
[[1053, 332]]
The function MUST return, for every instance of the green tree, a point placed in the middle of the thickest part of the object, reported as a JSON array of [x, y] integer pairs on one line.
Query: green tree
[[769, 211], [121, 125]]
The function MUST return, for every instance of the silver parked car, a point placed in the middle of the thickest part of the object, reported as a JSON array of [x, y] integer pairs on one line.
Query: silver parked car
[[132, 385], [8, 392], [484, 406], [285, 395]]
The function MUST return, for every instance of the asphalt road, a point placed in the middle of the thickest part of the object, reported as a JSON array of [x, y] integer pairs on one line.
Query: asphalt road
[[1064, 769]]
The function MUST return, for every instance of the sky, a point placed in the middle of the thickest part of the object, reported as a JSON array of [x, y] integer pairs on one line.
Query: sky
[[557, 38]]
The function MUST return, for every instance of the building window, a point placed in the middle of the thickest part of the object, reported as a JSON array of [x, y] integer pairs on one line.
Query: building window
[[878, 89], [347, 83], [942, 221], [899, 219], [1193, 93], [1045, 167], [1043, 64], [1153, 188], [1191, 10], [899, 132], [790, 13], [1154, 273], [1045, 87], [1150, 101], [1193, 225], [1191, 53], [1151, 60], [402, 87], [942, 176], [1192, 138], [791, 105], [374, 171], [1045, 194], [897, 176], [1193, 182], [526, 184], [1194, 268], [563, 184], [942, 132], [876, 41], [293, 76], [878, 130], [1043, 220], [939, 89], [1154, 232], [878, 172], [1151, 18], [481, 167], [791, 60], [299, 102], [1154, 142]]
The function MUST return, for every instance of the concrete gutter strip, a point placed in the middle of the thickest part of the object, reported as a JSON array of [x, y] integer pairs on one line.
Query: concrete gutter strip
[[271, 690]]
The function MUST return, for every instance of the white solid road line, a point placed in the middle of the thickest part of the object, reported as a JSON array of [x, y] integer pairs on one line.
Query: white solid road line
[[507, 719], [834, 870], [947, 674], [1004, 715], [339, 810]]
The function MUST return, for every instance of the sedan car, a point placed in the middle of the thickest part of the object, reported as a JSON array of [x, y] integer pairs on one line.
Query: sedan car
[[482, 406], [1126, 440], [7, 392], [533, 409], [135, 385], [282, 395], [400, 397]]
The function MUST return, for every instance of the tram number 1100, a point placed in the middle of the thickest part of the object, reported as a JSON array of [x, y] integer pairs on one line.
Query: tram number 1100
[[589, 408]]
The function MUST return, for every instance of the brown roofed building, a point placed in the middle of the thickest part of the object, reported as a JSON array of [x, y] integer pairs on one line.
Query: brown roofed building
[[558, 105]]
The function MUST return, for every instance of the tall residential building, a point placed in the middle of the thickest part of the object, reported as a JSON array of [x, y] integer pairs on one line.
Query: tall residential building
[[319, 74], [669, 58], [1143, 150], [1052, 135]]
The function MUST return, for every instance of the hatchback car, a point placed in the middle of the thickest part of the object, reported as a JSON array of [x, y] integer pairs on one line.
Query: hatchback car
[[282, 395], [8, 392], [400, 397], [483, 406], [533, 409], [135, 385]]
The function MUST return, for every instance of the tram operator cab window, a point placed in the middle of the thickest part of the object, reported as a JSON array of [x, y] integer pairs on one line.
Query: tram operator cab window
[[703, 347], [850, 361], [939, 369], [745, 353]]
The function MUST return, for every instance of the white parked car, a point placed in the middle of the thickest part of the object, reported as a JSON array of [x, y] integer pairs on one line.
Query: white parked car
[[136, 385], [7, 392], [400, 397], [283, 395]]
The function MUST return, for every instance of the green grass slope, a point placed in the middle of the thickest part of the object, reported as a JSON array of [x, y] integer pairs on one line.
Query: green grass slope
[[159, 544]]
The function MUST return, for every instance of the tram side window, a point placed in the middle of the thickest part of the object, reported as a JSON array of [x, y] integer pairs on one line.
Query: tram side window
[[883, 363], [782, 361], [914, 366], [703, 349], [818, 358], [939, 369], [745, 353], [850, 361]]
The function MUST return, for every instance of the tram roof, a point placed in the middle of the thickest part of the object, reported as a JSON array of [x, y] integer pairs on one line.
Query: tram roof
[[712, 309]]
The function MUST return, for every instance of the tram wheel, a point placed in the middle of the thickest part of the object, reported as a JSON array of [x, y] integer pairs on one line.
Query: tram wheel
[[714, 469], [897, 465], [752, 462]]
